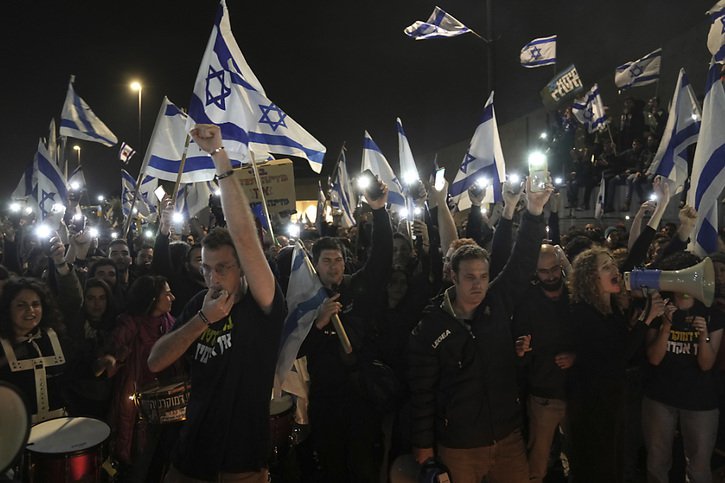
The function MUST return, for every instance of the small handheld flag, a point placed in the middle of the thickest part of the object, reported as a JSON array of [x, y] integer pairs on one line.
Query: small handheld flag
[[539, 52], [440, 24], [126, 153], [640, 72]]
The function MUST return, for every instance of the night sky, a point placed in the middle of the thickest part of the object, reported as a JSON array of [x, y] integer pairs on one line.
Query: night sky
[[337, 68]]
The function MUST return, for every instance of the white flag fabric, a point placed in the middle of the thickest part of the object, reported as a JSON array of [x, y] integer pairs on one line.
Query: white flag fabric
[[708, 167], [304, 297], [166, 147], [126, 153], [146, 192], [599, 207], [49, 183], [681, 131], [484, 160], [342, 196], [408, 169], [716, 35], [77, 180], [374, 160], [589, 110], [78, 121], [440, 24], [227, 93], [128, 188], [640, 72], [194, 197], [24, 190], [539, 52]]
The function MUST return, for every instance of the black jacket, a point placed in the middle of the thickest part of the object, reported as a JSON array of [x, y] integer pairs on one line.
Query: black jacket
[[362, 295], [463, 377]]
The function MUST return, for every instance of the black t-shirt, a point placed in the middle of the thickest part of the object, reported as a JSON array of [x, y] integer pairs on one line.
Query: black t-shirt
[[678, 381], [232, 370]]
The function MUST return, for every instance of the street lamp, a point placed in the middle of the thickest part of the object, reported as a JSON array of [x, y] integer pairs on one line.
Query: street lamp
[[77, 149], [137, 87]]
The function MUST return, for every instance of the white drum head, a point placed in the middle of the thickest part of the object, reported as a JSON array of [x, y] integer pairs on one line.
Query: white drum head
[[14, 425], [67, 435], [280, 404]]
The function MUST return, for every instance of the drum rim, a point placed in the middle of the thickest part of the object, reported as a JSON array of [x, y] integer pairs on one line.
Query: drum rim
[[28, 424], [56, 454]]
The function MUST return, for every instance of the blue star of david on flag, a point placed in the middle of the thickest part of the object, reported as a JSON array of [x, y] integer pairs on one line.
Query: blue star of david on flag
[[466, 161], [635, 71], [45, 196], [588, 114], [225, 91], [535, 53], [722, 21], [265, 119]]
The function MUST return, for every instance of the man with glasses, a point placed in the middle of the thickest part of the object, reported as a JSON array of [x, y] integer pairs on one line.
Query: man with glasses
[[545, 340], [230, 334]]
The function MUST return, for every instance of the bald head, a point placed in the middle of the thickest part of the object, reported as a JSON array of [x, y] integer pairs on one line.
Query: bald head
[[548, 268]]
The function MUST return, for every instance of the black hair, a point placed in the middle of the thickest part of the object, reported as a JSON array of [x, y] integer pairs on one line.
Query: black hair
[[51, 315], [143, 294], [325, 243]]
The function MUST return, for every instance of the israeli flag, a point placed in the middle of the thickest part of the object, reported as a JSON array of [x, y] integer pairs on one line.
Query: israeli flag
[[483, 163], [681, 131], [192, 198], [440, 24], [78, 121], [128, 188], [589, 110], [342, 196], [227, 93], [77, 180], [146, 192], [639, 72], [304, 297], [708, 167], [49, 184], [716, 35], [408, 169], [539, 52], [25, 187], [374, 160], [166, 148]]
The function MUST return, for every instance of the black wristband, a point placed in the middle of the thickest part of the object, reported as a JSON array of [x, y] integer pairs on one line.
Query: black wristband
[[225, 175], [203, 317]]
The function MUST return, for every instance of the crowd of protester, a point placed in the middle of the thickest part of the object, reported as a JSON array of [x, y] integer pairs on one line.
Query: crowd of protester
[[501, 349]]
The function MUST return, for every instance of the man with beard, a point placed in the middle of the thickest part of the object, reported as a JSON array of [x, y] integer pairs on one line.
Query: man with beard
[[545, 341]]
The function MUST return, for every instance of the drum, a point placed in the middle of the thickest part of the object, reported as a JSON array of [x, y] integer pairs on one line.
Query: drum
[[66, 450], [281, 421], [164, 404], [14, 425]]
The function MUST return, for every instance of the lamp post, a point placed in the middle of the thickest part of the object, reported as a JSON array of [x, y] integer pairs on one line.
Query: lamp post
[[137, 87]]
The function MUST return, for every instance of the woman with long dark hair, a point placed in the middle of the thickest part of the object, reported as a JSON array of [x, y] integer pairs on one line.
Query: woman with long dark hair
[[146, 319], [34, 346]]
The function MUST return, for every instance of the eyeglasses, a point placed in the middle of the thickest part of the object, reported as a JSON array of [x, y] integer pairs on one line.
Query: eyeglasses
[[222, 269]]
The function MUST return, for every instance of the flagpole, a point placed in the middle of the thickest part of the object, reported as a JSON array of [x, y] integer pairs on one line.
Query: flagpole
[[258, 180], [181, 170], [339, 328], [611, 139], [339, 158], [133, 203]]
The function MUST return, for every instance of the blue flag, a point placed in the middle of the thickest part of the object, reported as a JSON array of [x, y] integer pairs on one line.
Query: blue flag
[[681, 131], [440, 24], [708, 167], [78, 121], [227, 93], [539, 52], [589, 110], [640, 72], [374, 160], [483, 161], [304, 297]]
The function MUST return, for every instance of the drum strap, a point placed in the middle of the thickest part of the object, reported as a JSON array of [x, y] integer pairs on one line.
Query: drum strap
[[38, 365]]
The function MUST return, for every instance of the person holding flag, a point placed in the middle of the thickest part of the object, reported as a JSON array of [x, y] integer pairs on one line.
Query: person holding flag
[[230, 333]]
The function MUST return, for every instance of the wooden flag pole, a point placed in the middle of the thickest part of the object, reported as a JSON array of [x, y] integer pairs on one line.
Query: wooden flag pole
[[181, 170], [258, 182], [127, 226]]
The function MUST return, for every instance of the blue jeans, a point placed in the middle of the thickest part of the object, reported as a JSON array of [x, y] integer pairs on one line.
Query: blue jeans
[[699, 431]]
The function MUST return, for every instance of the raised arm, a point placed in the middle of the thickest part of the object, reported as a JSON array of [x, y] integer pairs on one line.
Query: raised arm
[[240, 221]]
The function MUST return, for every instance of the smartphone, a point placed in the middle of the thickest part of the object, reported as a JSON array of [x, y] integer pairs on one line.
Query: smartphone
[[538, 171], [373, 191], [160, 193], [440, 179]]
